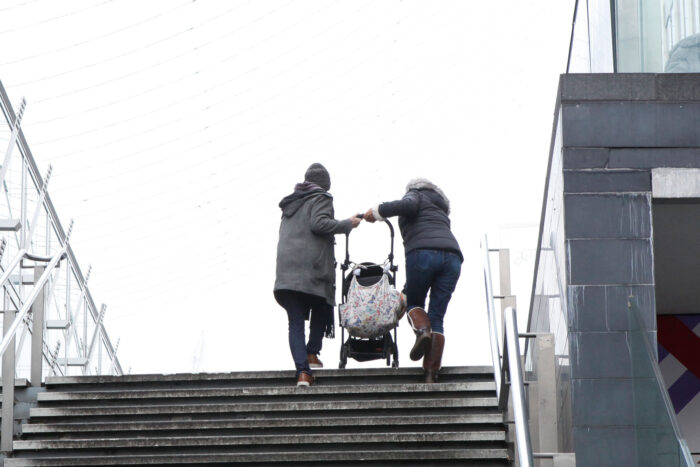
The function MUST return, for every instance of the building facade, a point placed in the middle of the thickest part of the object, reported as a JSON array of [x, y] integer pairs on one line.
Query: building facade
[[619, 245]]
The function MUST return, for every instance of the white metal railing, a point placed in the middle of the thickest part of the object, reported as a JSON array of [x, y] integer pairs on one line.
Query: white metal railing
[[45, 294], [9, 334], [508, 364], [29, 222]]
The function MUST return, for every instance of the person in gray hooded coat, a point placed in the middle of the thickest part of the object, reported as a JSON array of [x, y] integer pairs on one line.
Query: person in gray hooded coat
[[305, 282], [433, 263]]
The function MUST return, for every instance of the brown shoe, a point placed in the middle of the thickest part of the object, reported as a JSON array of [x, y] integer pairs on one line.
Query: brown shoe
[[314, 362], [418, 319], [305, 379], [433, 357]]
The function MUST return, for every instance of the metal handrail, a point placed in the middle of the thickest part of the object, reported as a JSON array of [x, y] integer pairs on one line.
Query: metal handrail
[[515, 371], [509, 360], [10, 334]]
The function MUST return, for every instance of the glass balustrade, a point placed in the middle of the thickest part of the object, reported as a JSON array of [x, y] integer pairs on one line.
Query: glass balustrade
[[659, 441]]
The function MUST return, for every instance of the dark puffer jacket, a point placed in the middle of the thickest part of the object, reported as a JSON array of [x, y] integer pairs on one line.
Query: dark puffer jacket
[[305, 252], [423, 217]]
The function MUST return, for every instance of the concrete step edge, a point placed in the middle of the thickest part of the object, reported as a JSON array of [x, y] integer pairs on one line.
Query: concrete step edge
[[482, 402], [264, 391], [493, 418], [262, 440], [262, 375], [327, 456]]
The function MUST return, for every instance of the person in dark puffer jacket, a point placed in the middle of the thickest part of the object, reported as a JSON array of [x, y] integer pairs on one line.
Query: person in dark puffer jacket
[[305, 280], [433, 263]]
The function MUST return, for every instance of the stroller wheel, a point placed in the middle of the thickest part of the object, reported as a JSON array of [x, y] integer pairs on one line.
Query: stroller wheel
[[343, 357], [388, 344]]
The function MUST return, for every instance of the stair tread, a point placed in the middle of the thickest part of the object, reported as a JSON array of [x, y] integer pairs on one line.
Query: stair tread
[[485, 371], [262, 439], [265, 391], [326, 455], [248, 422], [266, 406]]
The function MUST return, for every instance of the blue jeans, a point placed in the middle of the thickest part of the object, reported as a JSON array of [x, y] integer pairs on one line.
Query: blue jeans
[[298, 306], [434, 270]]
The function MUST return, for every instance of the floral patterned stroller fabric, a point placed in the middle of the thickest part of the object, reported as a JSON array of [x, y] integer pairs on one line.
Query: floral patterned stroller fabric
[[372, 310]]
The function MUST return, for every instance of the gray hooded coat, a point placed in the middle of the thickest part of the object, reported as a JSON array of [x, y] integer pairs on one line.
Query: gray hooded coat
[[305, 252]]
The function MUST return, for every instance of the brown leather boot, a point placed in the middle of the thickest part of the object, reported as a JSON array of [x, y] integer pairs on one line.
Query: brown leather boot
[[313, 360], [418, 319], [433, 357], [304, 380]]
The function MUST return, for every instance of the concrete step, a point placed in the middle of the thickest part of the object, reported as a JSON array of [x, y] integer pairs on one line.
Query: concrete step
[[20, 383], [272, 378], [337, 405], [247, 392], [434, 456], [469, 421], [261, 440]]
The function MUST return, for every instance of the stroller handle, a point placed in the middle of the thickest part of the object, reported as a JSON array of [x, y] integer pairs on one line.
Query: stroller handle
[[347, 244]]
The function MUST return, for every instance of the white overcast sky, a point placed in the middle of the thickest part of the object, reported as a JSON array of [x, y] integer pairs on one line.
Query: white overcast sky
[[175, 127]]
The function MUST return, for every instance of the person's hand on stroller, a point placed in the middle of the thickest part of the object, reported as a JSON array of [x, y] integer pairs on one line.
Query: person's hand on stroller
[[369, 217], [355, 220]]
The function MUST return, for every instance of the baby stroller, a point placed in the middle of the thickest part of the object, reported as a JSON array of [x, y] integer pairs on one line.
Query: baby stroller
[[360, 345]]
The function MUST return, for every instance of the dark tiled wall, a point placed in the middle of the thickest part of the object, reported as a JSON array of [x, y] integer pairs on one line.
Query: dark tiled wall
[[615, 129]]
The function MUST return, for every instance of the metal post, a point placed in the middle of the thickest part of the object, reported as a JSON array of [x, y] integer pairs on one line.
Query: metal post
[[69, 317], [534, 415], [99, 353], [85, 326], [567, 459], [8, 380], [504, 279], [547, 396], [510, 436], [37, 330], [504, 270], [517, 390], [493, 334], [23, 210]]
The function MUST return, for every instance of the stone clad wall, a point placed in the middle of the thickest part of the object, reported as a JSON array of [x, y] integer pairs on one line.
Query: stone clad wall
[[613, 129]]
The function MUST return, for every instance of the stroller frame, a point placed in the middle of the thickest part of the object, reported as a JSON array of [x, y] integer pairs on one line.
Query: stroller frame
[[365, 349]]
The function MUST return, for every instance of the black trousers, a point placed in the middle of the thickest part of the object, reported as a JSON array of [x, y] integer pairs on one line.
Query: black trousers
[[298, 306]]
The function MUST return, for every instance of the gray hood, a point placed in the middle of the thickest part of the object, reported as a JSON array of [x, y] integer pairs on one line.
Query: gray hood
[[290, 204]]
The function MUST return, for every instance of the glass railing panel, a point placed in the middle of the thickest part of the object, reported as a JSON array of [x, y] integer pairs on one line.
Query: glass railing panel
[[659, 441]]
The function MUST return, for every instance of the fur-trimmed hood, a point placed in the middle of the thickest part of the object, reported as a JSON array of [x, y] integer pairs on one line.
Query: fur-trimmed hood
[[425, 184]]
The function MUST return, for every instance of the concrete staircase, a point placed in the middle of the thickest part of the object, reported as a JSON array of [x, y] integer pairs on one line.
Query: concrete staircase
[[366, 416]]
